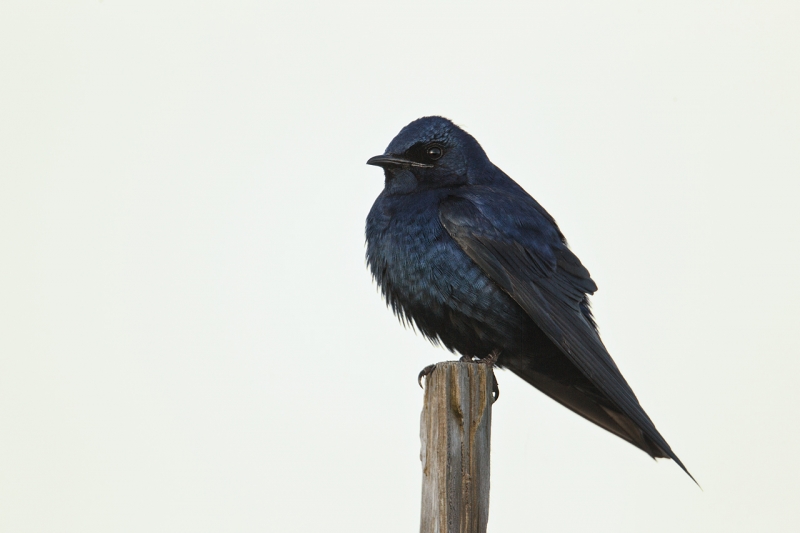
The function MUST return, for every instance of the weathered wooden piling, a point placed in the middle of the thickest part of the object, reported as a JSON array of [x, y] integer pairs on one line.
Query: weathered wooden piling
[[455, 430]]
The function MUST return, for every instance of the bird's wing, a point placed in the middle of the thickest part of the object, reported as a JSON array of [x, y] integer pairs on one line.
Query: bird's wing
[[529, 260]]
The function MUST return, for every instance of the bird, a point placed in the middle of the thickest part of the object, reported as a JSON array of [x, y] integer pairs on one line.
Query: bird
[[463, 254]]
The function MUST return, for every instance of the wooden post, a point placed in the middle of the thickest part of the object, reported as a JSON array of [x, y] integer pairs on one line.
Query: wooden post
[[455, 430]]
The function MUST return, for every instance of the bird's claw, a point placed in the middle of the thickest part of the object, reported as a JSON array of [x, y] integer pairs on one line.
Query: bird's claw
[[490, 359], [425, 373], [495, 388]]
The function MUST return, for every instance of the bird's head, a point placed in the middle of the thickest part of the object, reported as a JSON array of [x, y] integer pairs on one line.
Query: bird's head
[[430, 152]]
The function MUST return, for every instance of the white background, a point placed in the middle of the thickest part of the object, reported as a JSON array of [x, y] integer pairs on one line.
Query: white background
[[190, 340]]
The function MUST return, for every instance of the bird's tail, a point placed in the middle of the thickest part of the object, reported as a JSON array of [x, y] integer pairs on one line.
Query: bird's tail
[[585, 399]]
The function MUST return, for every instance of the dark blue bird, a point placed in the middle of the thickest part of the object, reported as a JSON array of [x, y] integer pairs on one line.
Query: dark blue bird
[[475, 263]]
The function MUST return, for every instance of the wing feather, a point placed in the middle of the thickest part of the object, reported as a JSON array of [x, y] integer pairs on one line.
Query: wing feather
[[549, 282]]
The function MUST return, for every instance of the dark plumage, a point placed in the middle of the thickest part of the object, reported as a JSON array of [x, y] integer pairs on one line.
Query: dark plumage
[[475, 263]]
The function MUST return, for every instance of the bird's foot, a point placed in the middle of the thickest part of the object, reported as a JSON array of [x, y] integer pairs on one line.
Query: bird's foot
[[491, 360], [427, 371], [495, 387]]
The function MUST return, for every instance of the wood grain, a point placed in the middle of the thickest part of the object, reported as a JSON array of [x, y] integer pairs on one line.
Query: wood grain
[[455, 430]]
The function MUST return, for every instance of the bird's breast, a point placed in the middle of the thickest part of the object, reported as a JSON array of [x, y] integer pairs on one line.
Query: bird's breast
[[407, 250], [428, 280]]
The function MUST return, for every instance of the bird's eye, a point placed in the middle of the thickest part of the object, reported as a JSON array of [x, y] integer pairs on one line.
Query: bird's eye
[[434, 152]]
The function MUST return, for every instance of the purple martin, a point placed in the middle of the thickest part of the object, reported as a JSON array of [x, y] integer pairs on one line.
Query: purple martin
[[464, 254]]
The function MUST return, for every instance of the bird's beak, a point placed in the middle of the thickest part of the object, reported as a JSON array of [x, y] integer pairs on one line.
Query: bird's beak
[[389, 160]]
